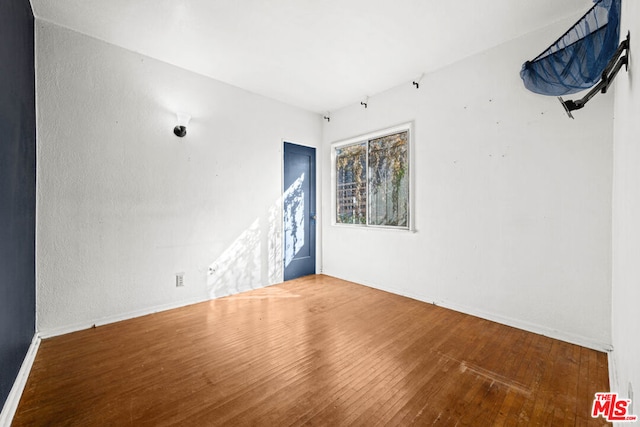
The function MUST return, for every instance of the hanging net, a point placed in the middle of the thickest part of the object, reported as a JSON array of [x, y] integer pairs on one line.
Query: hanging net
[[575, 62]]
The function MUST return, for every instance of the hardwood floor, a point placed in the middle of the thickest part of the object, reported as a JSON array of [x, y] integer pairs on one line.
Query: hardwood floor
[[313, 351]]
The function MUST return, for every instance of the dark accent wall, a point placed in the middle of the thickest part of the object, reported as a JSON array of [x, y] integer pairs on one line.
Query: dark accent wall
[[17, 188]]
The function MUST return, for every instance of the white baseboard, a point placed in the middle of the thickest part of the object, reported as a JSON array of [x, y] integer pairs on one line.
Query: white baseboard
[[11, 404], [67, 329], [613, 374], [515, 323], [54, 332], [614, 385], [568, 337]]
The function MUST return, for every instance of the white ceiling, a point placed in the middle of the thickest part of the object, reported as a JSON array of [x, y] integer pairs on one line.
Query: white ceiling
[[319, 55]]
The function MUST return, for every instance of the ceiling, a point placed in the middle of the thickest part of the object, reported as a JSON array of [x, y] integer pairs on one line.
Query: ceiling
[[319, 55]]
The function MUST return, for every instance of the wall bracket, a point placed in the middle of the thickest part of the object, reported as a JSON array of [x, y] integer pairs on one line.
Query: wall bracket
[[620, 58]]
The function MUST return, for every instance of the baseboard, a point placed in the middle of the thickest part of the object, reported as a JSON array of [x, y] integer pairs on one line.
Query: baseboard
[[11, 404], [67, 329], [54, 332], [614, 386], [515, 323], [570, 338], [613, 374]]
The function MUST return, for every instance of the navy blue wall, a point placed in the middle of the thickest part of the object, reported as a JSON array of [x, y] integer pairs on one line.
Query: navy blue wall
[[17, 188]]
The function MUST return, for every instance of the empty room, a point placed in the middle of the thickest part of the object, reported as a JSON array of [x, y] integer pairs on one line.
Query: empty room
[[319, 213]]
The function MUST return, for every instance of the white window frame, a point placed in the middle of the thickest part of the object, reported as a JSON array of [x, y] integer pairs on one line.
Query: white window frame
[[405, 127]]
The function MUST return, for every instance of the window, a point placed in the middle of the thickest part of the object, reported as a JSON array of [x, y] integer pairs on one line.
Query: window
[[372, 179]]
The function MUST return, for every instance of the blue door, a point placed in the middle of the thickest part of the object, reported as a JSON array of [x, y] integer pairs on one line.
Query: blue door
[[299, 208]]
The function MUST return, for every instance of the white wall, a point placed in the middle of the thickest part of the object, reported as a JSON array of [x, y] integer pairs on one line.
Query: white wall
[[626, 218], [512, 199], [123, 204]]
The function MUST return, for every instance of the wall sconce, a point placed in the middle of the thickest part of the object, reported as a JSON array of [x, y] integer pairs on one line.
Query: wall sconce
[[183, 121]]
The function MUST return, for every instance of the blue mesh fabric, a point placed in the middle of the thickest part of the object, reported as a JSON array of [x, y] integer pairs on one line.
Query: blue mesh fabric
[[575, 62]]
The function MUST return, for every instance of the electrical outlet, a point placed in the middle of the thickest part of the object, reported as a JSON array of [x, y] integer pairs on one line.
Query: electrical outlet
[[179, 280]]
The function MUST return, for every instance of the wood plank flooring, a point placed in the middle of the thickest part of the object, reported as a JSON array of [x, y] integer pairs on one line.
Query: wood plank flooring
[[313, 351]]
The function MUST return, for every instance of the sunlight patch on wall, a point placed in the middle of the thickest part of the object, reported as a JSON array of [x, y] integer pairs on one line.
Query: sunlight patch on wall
[[238, 268], [274, 244], [253, 260]]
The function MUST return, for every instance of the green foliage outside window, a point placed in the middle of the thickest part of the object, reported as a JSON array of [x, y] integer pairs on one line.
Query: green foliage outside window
[[372, 179], [351, 192]]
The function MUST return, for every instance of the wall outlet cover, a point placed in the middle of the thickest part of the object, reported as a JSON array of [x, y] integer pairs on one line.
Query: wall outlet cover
[[179, 280]]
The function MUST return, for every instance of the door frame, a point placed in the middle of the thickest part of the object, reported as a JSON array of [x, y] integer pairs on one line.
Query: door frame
[[318, 246]]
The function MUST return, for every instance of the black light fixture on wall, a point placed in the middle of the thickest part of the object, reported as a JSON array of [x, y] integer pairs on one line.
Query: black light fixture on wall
[[183, 120]]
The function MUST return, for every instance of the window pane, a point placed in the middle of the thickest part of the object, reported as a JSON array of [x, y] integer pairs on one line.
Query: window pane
[[389, 180], [351, 191]]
